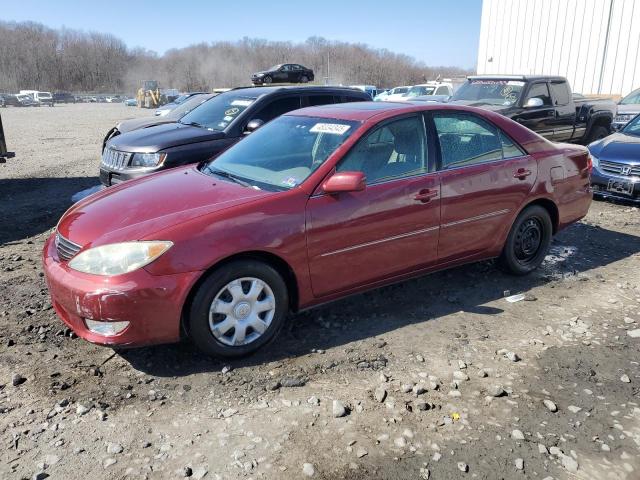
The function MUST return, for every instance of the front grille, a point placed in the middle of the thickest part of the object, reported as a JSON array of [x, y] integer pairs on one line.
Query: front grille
[[115, 160], [620, 168], [65, 248]]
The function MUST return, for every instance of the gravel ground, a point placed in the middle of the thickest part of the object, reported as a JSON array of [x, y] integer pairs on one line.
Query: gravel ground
[[439, 377]]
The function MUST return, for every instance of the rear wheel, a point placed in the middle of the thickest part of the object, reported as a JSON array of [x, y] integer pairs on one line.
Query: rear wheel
[[597, 132], [528, 241], [238, 309], [304, 79]]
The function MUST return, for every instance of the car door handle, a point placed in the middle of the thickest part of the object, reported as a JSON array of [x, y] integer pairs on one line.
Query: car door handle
[[426, 195], [522, 173]]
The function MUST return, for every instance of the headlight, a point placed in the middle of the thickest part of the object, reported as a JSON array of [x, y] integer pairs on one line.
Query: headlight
[[147, 159], [595, 160], [118, 258]]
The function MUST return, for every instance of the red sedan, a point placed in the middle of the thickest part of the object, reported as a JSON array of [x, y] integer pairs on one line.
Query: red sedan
[[317, 204]]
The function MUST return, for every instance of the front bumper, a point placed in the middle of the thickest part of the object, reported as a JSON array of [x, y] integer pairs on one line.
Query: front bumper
[[113, 177], [152, 304], [600, 183]]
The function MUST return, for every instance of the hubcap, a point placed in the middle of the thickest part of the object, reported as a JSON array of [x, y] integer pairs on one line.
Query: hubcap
[[242, 311], [528, 240]]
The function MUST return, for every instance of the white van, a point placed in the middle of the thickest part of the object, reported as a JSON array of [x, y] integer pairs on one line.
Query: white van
[[44, 98]]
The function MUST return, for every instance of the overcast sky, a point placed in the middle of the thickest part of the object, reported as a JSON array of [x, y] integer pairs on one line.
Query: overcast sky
[[437, 32]]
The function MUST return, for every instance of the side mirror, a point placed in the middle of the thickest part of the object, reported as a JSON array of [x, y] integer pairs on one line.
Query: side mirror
[[345, 182], [253, 125], [534, 102]]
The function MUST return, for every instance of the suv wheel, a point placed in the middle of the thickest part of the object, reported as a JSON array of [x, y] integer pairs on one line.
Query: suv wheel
[[238, 309]]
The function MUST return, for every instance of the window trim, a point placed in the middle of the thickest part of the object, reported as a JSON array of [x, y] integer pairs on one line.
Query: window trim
[[436, 140], [425, 139]]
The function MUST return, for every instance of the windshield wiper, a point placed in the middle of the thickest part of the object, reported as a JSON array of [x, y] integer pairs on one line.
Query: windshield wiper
[[194, 124], [230, 176]]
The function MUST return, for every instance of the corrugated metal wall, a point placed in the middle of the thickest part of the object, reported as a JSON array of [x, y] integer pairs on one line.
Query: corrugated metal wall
[[594, 43]]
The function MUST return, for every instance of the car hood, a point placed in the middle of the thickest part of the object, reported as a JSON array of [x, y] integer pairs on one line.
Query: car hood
[[631, 109], [137, 209], [481, 104], [160, 137], [263, 72], [136, 123], [618, 148]]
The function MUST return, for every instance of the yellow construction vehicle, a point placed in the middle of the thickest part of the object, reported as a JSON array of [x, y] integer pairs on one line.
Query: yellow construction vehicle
[[149, 95]]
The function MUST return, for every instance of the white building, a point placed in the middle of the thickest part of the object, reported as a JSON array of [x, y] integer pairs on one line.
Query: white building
[[594, 43]]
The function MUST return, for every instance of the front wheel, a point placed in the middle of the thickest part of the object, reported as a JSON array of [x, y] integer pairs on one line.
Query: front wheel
[[267, 79], [528, 241], [238, 309], [597, 132]]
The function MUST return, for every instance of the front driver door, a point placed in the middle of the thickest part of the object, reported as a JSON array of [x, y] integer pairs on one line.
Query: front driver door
[[391, 227], [539, 119]]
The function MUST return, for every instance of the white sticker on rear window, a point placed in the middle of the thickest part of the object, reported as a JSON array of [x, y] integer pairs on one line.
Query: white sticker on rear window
[[334, 128], [241, 103]]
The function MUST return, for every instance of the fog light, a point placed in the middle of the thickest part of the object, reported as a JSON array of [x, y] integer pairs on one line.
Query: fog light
[[108, 329]]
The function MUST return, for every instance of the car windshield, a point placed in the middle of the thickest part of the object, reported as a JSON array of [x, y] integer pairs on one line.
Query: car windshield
[[633, 127], [283, 153], [218, 113], [631, 99], [492, 92], [45, 95], [400, 90], [188, 105], [420, 90], [181, 99], [275, 67]]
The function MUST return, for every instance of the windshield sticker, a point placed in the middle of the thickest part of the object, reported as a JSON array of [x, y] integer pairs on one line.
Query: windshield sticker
[[228, 118], [333, 128], [223, 124], [290, 182], [241, 103], [232, 111], [507, 93]]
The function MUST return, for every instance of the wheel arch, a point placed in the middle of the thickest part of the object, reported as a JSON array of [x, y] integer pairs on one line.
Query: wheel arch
[[549, 206], [276, 262]]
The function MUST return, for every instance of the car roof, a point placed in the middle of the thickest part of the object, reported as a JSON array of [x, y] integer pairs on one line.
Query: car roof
[[260, 91], [363, 111], [517, 77]]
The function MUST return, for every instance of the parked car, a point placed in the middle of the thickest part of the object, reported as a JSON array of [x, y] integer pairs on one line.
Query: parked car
[[316, 205], [371, 90], [145, 122], [27, 101], [63, 97], [165, 109], [283, 73], [209, 129], [431, 98], [627, 109], [616, 162], [542, 103], [10, 100], [441, 89], [391, 95], [42, 98], [131, 102]]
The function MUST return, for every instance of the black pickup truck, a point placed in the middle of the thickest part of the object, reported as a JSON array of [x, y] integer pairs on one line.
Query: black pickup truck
[[544, 104]]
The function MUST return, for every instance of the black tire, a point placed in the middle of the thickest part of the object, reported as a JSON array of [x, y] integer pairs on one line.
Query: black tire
[[198, 322], [597, 132], [528, 241], [304, 79], [267, 79]]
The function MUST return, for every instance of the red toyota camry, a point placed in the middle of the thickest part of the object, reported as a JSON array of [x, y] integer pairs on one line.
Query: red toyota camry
[[317, 204]]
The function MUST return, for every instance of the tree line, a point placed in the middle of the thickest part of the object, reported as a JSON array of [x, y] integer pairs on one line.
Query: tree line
[[33, 56]]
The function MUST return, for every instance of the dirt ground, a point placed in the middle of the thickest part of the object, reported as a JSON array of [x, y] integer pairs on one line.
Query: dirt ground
[[423, 371]]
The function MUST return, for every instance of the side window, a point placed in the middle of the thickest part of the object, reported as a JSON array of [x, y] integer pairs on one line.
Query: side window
[[466, 140], [320, 100], [394, 150], [276, 108], [541, 91], [349, 98], [442, 91], [509, 148], [560, 91]]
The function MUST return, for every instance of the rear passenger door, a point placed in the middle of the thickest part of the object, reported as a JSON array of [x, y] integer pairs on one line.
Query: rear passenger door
[[484, 178]]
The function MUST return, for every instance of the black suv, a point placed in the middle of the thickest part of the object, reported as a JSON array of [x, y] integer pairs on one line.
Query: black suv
[[63, 97], [209, 129], [283, 73]]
